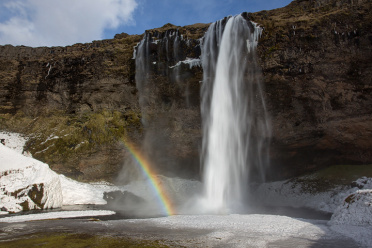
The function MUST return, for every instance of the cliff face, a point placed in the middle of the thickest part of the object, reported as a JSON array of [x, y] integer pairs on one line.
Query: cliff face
[[316, 62], [73, 79]]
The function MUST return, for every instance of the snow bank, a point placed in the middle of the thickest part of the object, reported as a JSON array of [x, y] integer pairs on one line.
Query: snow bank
[[295, 194], [363, 183], [24, 179], [26, 183], [351, 205], [287, 193], [55, 215], [355, 210], [14, 141], [75, 193]]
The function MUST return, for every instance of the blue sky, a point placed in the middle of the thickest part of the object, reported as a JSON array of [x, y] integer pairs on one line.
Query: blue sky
[[65, 22]]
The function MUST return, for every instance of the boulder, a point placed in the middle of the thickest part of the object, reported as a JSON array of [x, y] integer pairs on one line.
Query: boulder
[[122, 200]]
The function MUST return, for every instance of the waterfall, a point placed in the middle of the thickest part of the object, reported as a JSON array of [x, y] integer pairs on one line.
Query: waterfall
[[234, 119]]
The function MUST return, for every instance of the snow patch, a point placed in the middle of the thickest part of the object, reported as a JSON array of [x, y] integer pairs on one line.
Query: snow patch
[[14, 141], [192, 62], [75, 193], [286, 193], [363, 183], [51, 137], [293, 194], [356, 210], [55, 215]]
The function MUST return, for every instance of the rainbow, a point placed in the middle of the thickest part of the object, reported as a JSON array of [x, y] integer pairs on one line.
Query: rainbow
[[150, 175]]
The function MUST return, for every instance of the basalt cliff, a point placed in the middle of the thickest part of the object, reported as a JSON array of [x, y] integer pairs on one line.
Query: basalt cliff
[[82, 105]]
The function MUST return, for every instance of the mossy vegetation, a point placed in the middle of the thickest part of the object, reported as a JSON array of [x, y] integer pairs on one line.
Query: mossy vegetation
[[344, 174], [59, 138], [271, 49], [333, 176], [62, 240]]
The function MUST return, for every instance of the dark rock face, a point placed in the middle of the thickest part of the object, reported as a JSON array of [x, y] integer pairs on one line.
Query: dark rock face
[[126, 203], [168, 75], [316, 59], [83, 77]]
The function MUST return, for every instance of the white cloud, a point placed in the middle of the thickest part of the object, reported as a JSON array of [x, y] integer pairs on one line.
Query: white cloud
[[62, 22]]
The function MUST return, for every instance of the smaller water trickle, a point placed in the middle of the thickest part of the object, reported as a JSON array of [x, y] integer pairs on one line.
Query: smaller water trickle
[[162, 67], [235, 123]]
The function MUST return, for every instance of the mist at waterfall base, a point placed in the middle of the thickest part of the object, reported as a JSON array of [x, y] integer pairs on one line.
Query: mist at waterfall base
[[236, 128]]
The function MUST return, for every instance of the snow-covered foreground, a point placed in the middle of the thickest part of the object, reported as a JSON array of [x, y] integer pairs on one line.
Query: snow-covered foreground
[[26, 183], [256, 230], [55, 215], [211, 230]]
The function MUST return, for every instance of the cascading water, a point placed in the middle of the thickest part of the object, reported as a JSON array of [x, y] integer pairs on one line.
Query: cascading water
[[235, 123]]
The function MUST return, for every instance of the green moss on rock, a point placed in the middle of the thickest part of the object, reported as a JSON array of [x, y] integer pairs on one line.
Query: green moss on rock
[[65, 141]]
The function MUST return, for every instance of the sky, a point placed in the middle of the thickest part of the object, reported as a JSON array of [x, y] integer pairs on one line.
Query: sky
[[66, 22]]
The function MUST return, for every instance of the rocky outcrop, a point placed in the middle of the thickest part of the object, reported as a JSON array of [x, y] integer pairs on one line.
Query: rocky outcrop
[[316, 63]]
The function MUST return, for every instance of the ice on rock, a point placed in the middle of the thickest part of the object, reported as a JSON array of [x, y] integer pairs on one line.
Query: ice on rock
[[192, 62]]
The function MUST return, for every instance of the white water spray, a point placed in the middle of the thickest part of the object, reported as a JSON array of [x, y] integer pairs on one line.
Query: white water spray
[[235, 123]]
